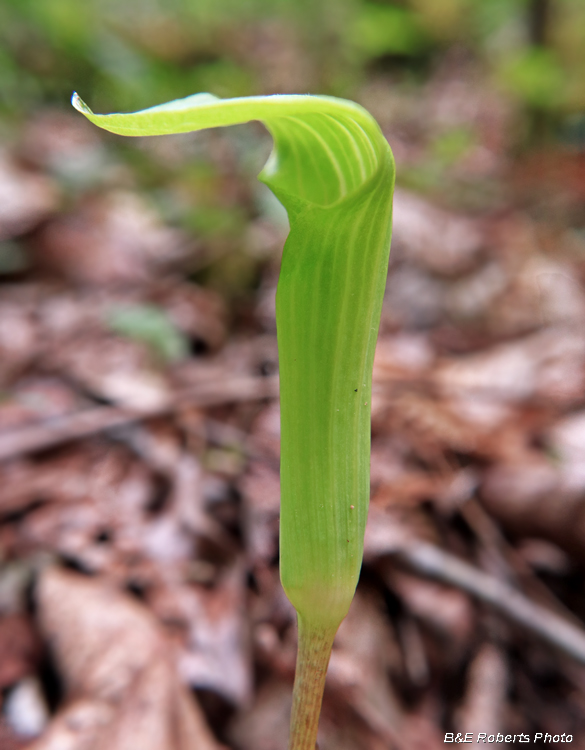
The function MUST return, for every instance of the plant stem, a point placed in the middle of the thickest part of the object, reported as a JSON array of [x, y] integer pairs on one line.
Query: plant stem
[[313, 654]]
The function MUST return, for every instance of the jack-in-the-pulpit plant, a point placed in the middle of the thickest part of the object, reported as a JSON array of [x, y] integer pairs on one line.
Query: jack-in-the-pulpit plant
[[333, 171]]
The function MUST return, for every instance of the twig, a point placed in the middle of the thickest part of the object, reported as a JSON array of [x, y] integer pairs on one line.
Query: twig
[[435, 563], [53, 432]]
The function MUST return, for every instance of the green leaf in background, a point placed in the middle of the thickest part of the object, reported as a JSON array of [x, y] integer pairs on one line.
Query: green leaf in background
[[150, 325], [536, 77], [333, 171], [385, 30], [449, 146]]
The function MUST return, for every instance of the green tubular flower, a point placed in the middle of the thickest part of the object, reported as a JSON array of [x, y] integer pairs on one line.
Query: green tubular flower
[[333, 171]]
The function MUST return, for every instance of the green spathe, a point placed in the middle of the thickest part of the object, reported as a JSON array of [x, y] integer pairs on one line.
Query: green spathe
[[333, 171]]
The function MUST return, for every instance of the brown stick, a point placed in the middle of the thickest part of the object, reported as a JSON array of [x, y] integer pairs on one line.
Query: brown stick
[[435, 563], [53, 432]]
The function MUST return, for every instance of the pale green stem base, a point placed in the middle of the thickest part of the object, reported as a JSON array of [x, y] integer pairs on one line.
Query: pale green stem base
[[313, 654]]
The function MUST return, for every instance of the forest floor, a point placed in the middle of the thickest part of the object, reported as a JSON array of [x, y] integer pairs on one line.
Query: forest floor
[[140, 603]]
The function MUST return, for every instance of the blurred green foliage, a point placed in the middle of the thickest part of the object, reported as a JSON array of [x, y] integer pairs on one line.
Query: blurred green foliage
[[386, 30], [127, 55], [535, 76], [124, 56]]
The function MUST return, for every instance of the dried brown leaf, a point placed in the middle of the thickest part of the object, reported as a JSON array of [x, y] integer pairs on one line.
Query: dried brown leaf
[[121, 238], [363, 654], [118, 669], [25, 198], [19, 649], [433, 238], [484, 706], [448, 611]]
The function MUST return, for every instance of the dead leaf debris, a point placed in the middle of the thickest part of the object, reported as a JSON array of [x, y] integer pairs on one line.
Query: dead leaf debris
[[140, 604]]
